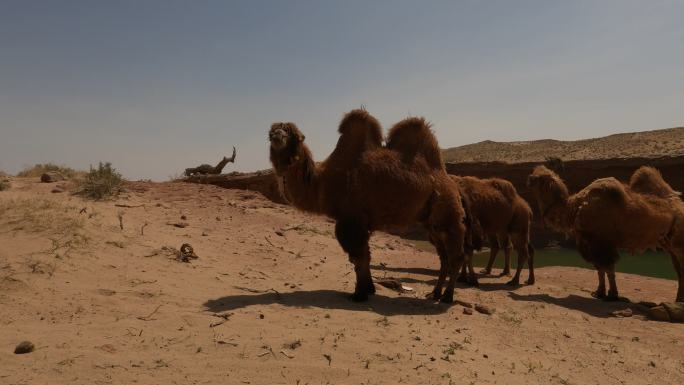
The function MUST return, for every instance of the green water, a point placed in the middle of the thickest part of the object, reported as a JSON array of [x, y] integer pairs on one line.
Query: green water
[[651, 264]]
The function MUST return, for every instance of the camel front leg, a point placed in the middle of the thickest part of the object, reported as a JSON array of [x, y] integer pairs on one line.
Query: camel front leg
[[612, 285], [601, 289], [677, 256], [354, 240]]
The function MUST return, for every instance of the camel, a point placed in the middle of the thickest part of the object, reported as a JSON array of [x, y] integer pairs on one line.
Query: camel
[[207, 169], [365, 186], [504, 217], [608, 215]]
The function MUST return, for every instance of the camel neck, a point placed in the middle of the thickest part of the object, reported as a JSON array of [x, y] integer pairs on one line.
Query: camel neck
[[300, 183], [557, 214]]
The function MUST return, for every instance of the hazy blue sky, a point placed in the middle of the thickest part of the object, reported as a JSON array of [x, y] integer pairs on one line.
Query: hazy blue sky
[[156, 86]]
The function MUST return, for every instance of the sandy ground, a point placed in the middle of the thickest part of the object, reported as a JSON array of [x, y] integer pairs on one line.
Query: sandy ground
[[266, 303]]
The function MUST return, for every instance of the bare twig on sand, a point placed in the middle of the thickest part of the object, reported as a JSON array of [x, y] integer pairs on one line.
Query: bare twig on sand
[[120, 215], [147, 317], [128, 206], [142, 228]]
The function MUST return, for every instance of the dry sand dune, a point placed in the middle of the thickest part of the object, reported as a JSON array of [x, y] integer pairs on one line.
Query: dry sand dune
[[266, 303], [646, 144]]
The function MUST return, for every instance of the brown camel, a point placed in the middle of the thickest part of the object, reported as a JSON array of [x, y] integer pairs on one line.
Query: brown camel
[[365, 186], [502, 216], [608, 215], [207, 169]]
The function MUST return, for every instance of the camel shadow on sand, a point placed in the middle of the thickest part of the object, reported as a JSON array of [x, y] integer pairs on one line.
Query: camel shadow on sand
[[587, 305], [482, 285], [330, 299]]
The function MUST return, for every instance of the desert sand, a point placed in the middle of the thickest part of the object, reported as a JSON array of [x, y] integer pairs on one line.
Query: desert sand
[[97, 287]]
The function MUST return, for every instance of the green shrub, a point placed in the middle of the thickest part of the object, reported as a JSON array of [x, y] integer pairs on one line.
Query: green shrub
[[101, 182], [40, 169]]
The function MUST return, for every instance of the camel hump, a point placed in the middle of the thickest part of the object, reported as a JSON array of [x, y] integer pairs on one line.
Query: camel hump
[[610, 188], [413, 136], [504, 187], [648, 180], [361, 128]]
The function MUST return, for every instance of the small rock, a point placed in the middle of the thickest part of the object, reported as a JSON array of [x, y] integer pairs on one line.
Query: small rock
[[468, 311], [484, 309], [280, 233], [24, 347], [205, 234], [51, 177], [183, 217], [57, 190], [622, 313]]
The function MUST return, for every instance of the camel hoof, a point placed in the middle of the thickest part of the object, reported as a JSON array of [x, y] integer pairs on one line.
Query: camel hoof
[[359, 297], [513, 282], [505, 274], [447, 298], [462, 279], [485, 272], [530, 281], [371, 289], [433, 295], [598, 294]]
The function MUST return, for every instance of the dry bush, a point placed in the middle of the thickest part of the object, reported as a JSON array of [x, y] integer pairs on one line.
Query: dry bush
[[4, 184], [40, 169], [101, 182]]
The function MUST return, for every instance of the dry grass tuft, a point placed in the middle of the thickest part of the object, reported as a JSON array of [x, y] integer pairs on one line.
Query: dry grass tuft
[[40, 169], [101, 182], [60, 223], [4, 184]]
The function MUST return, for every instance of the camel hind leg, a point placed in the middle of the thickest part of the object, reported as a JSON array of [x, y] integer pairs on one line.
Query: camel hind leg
[[353, 237], [505, 241], [493, 251], [436, 293], [455, 260], [521, 246], [677, 256]]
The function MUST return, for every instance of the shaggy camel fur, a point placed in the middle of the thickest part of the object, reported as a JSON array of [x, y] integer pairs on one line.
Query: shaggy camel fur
[[608, 215], [365, 186], [503, 217]]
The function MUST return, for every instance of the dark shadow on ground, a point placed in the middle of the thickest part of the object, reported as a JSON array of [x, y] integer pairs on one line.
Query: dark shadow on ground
[[330, 299], [409, 270], [588, 305]]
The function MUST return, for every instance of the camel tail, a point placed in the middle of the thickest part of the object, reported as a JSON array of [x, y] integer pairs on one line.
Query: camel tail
[[648, 180], [412, 137]]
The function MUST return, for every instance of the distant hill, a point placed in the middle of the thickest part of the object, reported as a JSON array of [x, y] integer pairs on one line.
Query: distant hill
[[669, 141]]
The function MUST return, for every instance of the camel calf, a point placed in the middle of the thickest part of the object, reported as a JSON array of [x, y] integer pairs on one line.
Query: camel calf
[[504, 217]]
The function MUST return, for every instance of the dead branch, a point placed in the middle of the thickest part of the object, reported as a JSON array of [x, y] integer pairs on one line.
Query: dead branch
[[147, 317]]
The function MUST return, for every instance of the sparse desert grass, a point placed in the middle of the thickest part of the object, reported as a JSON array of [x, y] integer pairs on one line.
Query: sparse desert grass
[[4, 184], [59, 223], [39, 169], [101, 182]]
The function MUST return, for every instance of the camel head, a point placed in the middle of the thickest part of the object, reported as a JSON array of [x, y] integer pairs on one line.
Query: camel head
[[288, 149], [548, 188]]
